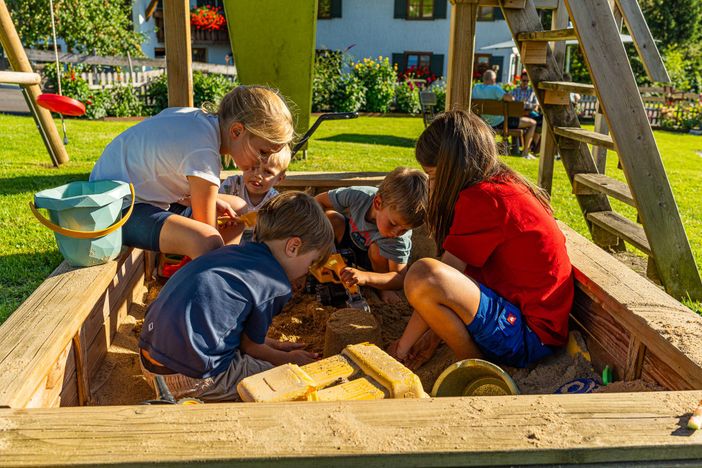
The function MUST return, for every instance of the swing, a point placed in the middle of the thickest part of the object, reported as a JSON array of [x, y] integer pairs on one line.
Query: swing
[[63, 105]]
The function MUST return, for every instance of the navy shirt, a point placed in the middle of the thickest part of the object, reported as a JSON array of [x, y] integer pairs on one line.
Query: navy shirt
[[194, 327]]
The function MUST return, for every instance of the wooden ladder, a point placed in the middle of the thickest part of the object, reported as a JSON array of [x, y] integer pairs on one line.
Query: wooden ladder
[[660, 234]]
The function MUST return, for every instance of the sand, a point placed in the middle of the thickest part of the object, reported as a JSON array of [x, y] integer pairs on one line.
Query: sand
[[347, 327]]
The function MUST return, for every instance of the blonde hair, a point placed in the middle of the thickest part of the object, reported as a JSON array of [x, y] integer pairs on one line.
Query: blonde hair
[[281, 159], [405, 191], [462, 148], [261, 110], [296, 214]]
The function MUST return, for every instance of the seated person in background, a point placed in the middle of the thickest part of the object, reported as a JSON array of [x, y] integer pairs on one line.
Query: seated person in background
[[256, 184], [574, 97], [376, 223], [525, 93], [207, 329], [488, 89]]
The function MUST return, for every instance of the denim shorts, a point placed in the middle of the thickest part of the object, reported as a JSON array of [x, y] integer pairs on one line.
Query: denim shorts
[[501, 333], [143, 229]]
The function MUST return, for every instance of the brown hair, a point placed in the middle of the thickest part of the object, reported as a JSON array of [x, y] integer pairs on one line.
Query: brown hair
[[261, 110], [462, 148], [404, 191], [296, 214]]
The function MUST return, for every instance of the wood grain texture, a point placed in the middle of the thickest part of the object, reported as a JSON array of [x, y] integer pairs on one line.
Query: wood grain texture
[[586, 183], [464, 17], [548, 35], [622, 227], [585, 136], [176, 14], [20, 78]]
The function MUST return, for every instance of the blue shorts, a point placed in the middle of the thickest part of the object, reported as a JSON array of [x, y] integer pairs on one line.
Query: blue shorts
[[143, 229], [501, 333]]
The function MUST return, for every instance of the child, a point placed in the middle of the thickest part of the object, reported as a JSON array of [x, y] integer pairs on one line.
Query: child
[[207, 329], [173, 159], [255, 185], [503, 289], [376, 225]]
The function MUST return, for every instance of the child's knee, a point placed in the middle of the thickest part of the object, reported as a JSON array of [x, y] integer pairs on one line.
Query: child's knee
[[423, 276]]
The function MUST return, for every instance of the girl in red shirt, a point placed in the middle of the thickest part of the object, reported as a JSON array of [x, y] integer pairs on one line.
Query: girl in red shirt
[[503, 287]]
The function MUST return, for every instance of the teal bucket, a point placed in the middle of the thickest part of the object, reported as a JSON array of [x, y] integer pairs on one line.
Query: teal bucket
[[86, 218]]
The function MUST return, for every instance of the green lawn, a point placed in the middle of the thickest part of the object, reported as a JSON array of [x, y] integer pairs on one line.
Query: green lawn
[[28, 252]]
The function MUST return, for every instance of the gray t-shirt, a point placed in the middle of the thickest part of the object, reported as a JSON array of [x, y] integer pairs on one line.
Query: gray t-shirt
[[354, 203]]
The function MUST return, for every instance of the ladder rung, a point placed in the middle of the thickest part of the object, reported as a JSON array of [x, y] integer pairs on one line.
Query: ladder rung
[[585, 136], [622, 227], [584, 184], [567, 86], [549, 35], [20, 78]]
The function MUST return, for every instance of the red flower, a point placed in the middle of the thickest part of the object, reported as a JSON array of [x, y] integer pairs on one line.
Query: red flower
[[207, 18]]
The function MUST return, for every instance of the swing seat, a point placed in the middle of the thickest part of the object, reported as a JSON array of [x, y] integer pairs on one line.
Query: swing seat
[[61, 104]]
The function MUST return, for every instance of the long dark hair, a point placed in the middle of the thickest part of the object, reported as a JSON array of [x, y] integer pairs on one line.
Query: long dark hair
[[462, 148]]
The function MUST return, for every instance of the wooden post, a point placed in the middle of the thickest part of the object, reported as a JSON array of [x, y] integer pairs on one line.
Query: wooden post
[[176, 14], [559, 20], [19, 62], [464, 16]]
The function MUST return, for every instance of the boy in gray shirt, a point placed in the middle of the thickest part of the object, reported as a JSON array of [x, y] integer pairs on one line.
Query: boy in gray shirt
[[376, 223]]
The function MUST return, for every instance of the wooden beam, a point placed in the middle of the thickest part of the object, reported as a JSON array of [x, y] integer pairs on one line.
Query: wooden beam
[[19, 62], [298, 180], [464, 17], [570, 87], [638, 153], [20, 78], [548, 35], [176, 14], [600, 183], [478, 431], [540, 4], [620, 226], [585, 136], [643, 40]]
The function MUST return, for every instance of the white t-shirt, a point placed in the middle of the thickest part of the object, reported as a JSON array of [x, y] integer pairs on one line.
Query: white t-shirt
[[158, 154], [234, 185]]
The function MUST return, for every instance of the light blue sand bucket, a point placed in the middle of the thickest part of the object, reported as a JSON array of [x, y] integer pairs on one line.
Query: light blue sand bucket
[[85, 218]]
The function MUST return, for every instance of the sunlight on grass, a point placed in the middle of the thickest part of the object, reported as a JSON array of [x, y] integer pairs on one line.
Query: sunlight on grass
[[28, 252]]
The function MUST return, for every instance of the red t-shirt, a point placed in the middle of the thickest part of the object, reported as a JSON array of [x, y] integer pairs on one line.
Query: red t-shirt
[[512, 245]]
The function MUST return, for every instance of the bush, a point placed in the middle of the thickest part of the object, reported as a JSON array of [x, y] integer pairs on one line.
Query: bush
[[440, 91], [349, 94], [407, 98], [122, 101], [207, 88], [157, 94], [682, 117], [327, 73], [72, 85], [379, 79]]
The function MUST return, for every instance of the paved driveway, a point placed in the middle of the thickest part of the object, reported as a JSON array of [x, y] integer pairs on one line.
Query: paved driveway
[[11, 100]]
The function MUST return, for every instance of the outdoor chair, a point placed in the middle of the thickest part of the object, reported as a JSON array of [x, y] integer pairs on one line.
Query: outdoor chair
[[505, 108], [427, 99]]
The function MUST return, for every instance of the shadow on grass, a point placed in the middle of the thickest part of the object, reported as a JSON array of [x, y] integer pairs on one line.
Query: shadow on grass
[[386, 140], [22, 184]]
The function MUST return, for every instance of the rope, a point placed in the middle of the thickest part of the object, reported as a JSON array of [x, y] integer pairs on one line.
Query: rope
[[58, 72]]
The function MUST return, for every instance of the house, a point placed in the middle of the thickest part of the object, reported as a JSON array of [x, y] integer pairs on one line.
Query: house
[[411, 32]]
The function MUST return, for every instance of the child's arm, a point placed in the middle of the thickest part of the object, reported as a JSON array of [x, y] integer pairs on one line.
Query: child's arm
[[276, 357], [323, 199], [393, 279], [204, 201]]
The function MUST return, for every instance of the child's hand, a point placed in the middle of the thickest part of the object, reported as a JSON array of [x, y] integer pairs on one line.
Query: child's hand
[[351, 276], [302, 357], [284, 345], [225, 209]]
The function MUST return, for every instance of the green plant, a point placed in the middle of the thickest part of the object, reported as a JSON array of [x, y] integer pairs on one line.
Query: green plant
[[122, 101], [157, 94], [210, 88], [379, 77], [407, 98], [440, 90], [349, 94], [682, 117], [327, 72]]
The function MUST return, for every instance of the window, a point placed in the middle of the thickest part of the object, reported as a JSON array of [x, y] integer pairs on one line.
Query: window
[[159, 52], [199, 54], [328, 9], [417, 59], [420, 9]]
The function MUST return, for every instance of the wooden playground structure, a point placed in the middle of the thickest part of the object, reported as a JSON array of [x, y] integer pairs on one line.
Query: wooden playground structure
[[53, 345]]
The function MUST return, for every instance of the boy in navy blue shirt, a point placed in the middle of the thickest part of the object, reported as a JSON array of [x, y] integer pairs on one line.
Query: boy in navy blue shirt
[[207, 329]]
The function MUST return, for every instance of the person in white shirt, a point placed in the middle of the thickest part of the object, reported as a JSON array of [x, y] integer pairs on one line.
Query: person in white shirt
[[174, 160]]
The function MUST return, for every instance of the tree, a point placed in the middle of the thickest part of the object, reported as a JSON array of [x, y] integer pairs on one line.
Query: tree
[[673, 23], [100, 27]]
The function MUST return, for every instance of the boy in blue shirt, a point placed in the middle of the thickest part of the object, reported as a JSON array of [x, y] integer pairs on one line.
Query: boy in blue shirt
[[207, 329], [375, 223]]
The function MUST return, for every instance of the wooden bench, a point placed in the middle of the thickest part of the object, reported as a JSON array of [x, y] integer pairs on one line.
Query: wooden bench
[[506, 109]]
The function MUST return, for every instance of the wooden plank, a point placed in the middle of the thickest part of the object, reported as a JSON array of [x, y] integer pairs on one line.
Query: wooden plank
[[20, 78], [176, 16], [546, 161], [301, 180], [600, 152], [619, 96], [617, 224], [668, 329], [42, 327], [540, 4], [533, 53], [580, 88], [634, 359], [548, 36], [510, 430], [655, 369], [643, 40], [556, 98], [11, 44], [585, 136], [589, 183], [464, 17], [47, 393], [82, 377]]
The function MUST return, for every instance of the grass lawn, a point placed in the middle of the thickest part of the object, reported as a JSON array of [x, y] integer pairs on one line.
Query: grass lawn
[[28, 252]]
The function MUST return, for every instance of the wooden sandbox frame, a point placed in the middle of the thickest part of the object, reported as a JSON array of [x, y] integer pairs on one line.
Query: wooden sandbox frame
[[54, 343]]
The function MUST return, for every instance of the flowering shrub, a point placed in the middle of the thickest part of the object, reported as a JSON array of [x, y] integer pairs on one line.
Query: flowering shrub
[[439, 88], [378, 77], [418, 73], [327, 74], [681, 117], [407, 98], [208, 18], [349, 94]]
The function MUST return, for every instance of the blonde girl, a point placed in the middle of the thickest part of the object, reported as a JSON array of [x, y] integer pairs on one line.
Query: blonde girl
[[174, 160], [503, 287]]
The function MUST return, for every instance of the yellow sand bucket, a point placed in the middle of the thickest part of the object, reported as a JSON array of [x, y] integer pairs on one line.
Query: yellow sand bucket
[[474, 377]]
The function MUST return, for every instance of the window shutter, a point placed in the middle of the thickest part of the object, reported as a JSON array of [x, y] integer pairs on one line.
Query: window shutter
[[497, 14], [437, 64], [400, 9], [399, 59], [440, 9], [336, 8]]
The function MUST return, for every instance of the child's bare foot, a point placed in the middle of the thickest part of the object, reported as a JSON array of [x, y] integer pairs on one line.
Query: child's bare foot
[[392, 350], [422, 350], [390, 297]]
